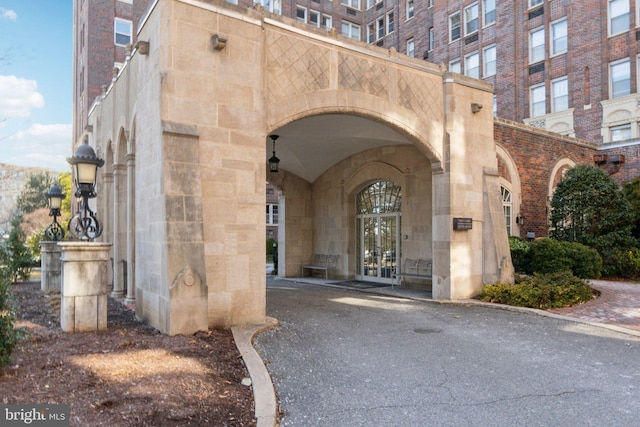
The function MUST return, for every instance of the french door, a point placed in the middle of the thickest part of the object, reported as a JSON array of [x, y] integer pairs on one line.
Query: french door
[[378, 232]]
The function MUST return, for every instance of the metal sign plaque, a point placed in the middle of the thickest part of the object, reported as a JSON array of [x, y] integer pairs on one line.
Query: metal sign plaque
[[462, 224]]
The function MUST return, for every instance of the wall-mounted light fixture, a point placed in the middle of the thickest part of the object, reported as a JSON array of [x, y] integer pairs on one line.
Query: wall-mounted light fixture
[[520, 219], [84, 224], [142, 47], [274, 161], [54, 232], [475, 107], [218, 41]]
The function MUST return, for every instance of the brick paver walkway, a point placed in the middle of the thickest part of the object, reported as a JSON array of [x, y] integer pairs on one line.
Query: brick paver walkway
[[618, 304]]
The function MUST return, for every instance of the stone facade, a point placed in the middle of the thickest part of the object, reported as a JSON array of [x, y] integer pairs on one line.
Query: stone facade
[[183, 129]]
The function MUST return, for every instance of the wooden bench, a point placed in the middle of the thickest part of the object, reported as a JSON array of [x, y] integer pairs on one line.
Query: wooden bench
[[418, 268], [321, 262]]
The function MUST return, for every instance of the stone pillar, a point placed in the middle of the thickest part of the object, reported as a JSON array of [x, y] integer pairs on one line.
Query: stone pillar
[[84, 286], [131, 230], [118, 266], [51, 268]]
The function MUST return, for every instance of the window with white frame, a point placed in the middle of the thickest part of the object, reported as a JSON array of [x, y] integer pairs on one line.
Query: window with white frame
[[371, 33], [618, 16], [430, 3], [351, 3], [272, 214], [122, 32], [495, 106], [620, 78], [301, 13], [411, 48], [454, 26], [537, 96], [410, 9], [507, 207], [350, 30], [533, 3], [432, 38], [536, 45], [455, 66], [314, 18], [472, 65], [471, 19], [274, 6], [370, 3], [380, 27], [620, 133], [489, 61], [390, 22], [327, 22], [488, 12], [559, 36], [232, 1], [559, 94]]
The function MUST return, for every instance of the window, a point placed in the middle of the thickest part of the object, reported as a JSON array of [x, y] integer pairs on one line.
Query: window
[[351, 3], [472, 65], [430, 3], [122, 32], [314, 18], [410, 10], [272, 214], [370, 3], [326, 22], [559, 94], [495, 106], [536, 45], [390, 22], [618, 16], [471, 19], [507, 207], [538, 100], [274, 6], [533, 3], [380, 27], [350, 30], [620, 133], [371, 33], [432, 36], [620, 78], [301, 13], [454, 26], [489, 61], [559, 37], [454, 66], [411, 48], [489, 12]]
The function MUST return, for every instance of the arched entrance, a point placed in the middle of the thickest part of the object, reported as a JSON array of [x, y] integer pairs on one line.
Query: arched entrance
[[378, 222]]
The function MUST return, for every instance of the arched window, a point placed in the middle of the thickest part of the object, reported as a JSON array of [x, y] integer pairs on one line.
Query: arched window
[[379, 197], [507, 206]]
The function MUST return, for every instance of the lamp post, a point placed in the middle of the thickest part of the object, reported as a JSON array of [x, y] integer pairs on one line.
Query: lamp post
[[54, 232], [84, 225]]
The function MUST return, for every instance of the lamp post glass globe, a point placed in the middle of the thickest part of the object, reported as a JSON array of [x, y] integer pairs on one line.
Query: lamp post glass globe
[[84, 224]]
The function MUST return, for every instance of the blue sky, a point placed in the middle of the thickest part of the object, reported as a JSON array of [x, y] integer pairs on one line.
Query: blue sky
[[36, 42]]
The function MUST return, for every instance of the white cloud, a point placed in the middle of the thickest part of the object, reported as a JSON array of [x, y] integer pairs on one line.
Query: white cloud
[[45, 146], [18, 97], [8, 14]]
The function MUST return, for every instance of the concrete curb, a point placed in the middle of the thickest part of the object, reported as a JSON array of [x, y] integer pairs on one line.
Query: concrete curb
[[264, 394]]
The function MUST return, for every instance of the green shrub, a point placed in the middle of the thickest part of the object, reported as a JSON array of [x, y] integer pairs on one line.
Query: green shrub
[[547, 255], [270, 243], [9, 334], [519, 253], [623, 263], [543, 291]]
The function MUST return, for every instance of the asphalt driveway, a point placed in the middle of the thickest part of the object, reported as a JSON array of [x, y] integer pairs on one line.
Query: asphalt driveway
[[347, 358]]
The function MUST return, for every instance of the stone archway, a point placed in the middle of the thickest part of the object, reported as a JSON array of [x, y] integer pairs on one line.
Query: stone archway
[[202, 123]]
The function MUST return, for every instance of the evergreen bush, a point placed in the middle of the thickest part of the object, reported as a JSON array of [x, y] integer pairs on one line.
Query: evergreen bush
[[9, 334], [546, 255]]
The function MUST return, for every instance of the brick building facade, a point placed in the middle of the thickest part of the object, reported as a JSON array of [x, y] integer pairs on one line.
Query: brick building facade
[[554, 66]]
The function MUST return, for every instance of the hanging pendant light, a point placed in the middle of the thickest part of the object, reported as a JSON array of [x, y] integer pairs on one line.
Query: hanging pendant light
[[274, 161]]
